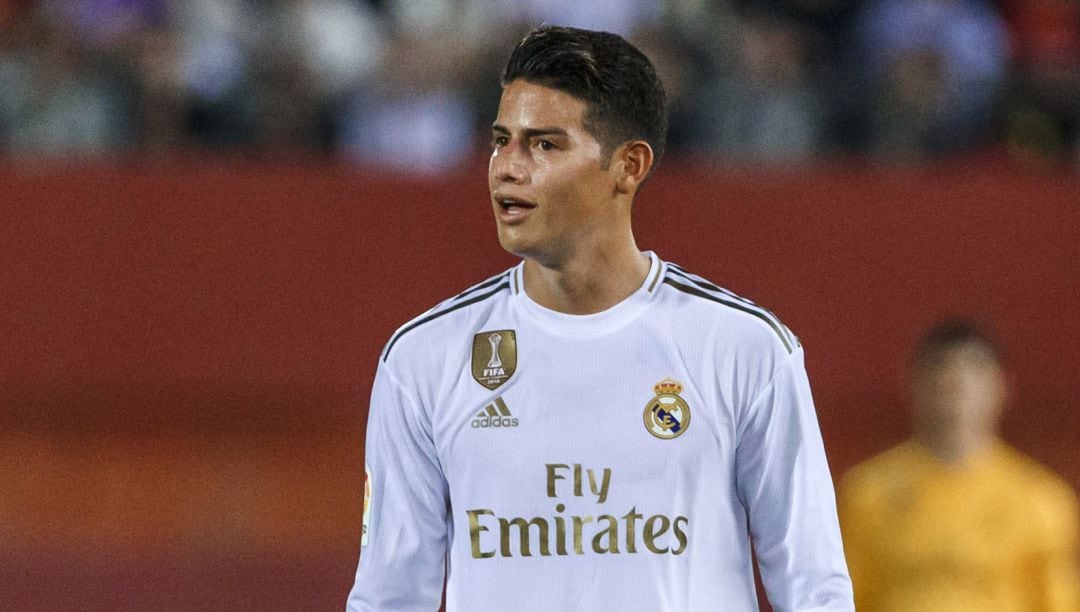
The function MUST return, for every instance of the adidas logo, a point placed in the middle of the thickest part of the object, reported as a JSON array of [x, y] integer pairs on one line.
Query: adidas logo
[[495, 414]]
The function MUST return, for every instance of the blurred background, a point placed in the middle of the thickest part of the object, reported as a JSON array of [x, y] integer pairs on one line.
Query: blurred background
[[215, 212], [761, 80]]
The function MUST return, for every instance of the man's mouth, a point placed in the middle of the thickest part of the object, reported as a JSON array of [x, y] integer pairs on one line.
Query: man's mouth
[[514, 207]]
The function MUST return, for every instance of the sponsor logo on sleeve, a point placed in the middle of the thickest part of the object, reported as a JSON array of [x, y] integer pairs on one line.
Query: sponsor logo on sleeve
[[365, 529]]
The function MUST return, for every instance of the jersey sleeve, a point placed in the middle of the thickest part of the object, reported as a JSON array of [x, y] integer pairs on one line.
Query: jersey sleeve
[[405, 533], [1055, 575], [784, 483]]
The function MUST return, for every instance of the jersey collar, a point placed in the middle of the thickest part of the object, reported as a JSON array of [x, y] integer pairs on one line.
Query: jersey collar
[[602, 322]]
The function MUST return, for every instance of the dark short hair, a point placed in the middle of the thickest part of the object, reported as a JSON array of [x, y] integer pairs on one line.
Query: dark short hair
[[953, 333], [624, 97]]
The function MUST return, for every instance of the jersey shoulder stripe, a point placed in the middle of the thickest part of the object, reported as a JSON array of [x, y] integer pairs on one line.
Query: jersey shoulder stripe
[[473, 295], [478, 287], [702, 282], [679, 279]]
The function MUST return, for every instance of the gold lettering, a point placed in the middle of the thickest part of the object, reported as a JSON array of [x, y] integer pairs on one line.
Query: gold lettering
[[475, 528], [578, 522], [679, 534], [631, 531], [523, 531], [605, 482], [651, 533], [552, 476], [604, 540], [612, 533], [560, 531]]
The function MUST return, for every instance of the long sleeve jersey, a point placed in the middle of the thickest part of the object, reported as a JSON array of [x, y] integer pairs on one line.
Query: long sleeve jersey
[[623, 460]]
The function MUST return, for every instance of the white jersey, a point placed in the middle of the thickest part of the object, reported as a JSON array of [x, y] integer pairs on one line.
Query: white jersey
[[616, 461]]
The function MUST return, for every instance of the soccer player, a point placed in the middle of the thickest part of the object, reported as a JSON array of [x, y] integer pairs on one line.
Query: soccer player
[[595, 428], [955, 519]]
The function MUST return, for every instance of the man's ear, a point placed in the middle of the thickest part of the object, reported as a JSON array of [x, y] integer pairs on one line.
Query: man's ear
[[635, 159]]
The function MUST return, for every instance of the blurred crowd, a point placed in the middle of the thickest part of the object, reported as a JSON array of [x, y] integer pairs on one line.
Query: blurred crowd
[[413, 84]]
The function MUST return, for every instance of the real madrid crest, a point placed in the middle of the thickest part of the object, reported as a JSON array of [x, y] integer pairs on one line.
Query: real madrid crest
[[494, 357], [667, 415]]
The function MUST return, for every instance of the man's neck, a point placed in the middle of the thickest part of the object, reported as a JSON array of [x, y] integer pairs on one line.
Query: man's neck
[[955, 449], [588, 283]]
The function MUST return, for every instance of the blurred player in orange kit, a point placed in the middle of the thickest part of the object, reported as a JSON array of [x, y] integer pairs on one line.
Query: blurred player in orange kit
[[954, 519]]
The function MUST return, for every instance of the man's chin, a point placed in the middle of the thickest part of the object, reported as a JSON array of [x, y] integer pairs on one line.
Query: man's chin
[[514, 243]]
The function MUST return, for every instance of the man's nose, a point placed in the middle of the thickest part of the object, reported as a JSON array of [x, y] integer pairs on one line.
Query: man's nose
[[508, 165]]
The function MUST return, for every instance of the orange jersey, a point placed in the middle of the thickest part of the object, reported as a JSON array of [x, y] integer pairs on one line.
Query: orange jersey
[[998, 533]]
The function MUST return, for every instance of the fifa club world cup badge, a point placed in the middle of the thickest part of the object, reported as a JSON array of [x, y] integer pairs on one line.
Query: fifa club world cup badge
[[494, 357], [667, 415]]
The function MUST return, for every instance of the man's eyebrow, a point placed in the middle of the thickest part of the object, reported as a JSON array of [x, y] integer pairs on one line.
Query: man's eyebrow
[[532, 132]]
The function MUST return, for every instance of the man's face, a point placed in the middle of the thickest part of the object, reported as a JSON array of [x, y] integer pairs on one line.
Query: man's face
[[960, 390], [551, 190]]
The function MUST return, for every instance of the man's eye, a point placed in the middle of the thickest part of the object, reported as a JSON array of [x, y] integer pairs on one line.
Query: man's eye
[[546, 145], [499, 141]]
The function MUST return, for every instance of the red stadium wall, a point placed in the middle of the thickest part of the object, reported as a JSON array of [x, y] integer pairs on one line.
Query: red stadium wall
[[188, 347]]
